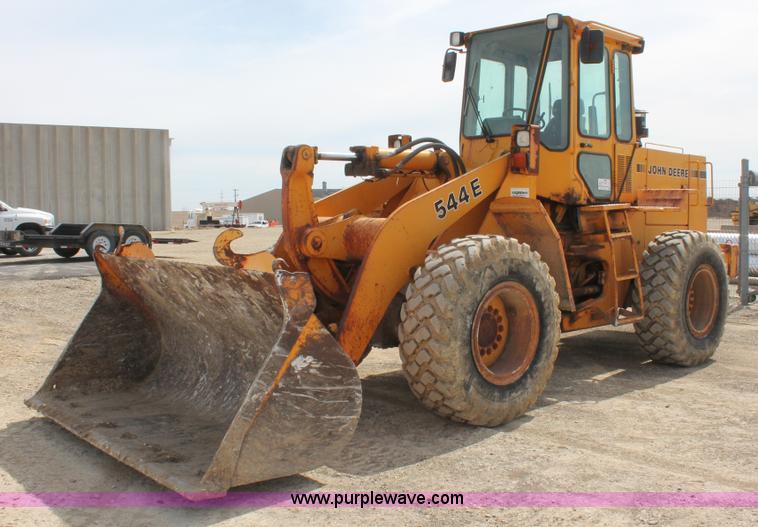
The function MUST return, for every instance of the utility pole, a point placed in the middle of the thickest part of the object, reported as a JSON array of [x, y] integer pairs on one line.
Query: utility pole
[[747, 179], [236, 215]]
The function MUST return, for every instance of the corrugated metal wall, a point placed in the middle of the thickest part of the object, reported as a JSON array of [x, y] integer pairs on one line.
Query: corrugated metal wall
[[87, 173]]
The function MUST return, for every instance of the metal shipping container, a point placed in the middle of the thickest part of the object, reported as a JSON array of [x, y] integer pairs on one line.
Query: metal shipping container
[[86, 174]]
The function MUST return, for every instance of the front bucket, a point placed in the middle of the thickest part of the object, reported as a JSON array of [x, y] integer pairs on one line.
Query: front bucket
[[204, 378]]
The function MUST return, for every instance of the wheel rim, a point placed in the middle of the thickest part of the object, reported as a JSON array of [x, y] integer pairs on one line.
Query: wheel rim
[[702, 301], [505, 333], [133, 239], [27, 249], [101, 241]]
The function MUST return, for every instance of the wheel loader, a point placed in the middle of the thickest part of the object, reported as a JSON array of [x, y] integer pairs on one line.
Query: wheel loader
[[550, 217]]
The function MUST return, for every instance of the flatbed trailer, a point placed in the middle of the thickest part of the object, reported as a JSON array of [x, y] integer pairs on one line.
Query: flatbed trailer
[[67, 239]]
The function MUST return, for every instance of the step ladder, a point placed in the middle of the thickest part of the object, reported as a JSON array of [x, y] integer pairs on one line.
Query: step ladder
[[622, 237], [615, 228]]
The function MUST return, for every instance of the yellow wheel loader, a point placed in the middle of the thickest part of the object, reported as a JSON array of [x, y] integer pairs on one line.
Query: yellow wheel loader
[[552, 216]]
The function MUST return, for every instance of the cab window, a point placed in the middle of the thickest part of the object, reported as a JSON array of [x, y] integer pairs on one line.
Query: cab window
[[594, 115], [491, 88], [502, 68], [622, 84]]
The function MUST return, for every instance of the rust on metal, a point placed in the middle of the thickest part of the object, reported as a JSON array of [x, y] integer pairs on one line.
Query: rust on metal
[[204, 377], [664, 197], [702, 301], [359, 235], [528, 222], [731, 255], [570, 197], [491, 323], [135, 250], [225, 255], [505, 333], [298, 216], [346, 239]]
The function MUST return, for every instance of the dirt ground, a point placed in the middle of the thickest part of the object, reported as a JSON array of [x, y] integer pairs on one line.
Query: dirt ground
[[610, 420]]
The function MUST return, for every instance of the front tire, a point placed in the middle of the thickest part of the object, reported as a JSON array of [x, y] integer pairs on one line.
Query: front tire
[[26, 250], [685, 293], [479, 330]]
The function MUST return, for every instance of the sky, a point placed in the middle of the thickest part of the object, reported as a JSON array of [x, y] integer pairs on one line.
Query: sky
[[236, 81]]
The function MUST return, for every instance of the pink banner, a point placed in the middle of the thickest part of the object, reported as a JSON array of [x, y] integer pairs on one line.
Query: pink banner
[[373, 499]]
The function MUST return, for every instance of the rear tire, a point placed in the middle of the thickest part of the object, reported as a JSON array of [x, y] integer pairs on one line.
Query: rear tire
[[684, 283], [8, 252], [445, 304], [26, 251], [100, 239], [67, 252]]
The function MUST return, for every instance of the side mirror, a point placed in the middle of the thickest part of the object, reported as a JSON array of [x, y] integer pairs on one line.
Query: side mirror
[[448, 65], [591, 46]]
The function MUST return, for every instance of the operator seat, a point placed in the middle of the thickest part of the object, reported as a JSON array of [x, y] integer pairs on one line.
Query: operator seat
[[551, 136]]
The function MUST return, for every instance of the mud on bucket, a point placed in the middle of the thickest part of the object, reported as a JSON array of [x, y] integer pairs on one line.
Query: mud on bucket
[[204, 378]]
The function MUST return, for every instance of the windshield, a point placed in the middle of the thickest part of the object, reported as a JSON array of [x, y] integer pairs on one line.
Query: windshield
[[501, 72]]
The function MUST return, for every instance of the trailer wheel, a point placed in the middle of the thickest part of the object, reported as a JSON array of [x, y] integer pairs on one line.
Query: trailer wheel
[[67, 252], [100, 240], [684, 284], [134, 237], [479, 330], [7, 252], [28, 250]]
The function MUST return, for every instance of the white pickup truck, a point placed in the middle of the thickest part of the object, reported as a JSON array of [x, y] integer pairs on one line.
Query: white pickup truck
[[30, 221]]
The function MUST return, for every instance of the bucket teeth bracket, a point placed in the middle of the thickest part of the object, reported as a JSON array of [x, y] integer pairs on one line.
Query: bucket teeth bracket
[[225, 255]]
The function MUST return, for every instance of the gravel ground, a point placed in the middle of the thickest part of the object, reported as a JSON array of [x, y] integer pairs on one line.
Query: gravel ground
[[609, 421]]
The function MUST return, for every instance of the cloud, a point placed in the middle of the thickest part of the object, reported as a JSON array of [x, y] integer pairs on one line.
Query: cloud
[[236, 82]]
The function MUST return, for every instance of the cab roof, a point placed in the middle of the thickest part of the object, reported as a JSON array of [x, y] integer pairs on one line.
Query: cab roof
[[635, 43]]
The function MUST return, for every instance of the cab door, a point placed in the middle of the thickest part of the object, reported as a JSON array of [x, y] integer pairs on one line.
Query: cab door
[[623, 123], [595, 138]]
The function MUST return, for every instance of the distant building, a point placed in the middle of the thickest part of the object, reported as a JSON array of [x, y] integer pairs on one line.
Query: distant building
[[84, 174], [179, 218], [216, 209], [270, 203]]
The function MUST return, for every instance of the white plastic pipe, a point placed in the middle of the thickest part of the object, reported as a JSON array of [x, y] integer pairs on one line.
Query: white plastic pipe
[[733, 238]]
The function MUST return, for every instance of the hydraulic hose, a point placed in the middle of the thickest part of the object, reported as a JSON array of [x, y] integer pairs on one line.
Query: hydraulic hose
[[457, 161]]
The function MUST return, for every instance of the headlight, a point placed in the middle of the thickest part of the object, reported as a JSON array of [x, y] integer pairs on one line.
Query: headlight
[[522, 138]]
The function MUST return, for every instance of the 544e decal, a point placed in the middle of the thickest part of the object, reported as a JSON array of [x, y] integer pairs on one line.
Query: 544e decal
[[459, 198]]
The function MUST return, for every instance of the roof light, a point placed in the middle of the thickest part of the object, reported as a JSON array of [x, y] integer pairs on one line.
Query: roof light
[[554, 21], [456, 38]]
